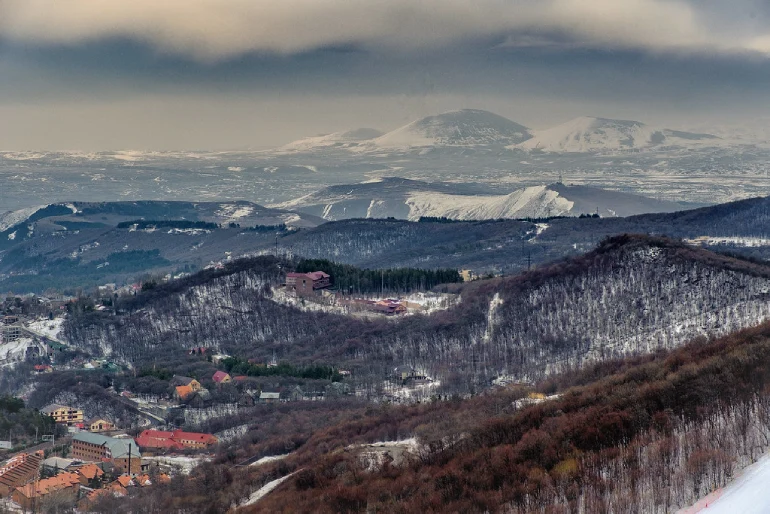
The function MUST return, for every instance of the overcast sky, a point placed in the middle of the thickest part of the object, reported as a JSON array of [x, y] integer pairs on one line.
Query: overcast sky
[[210, 74]]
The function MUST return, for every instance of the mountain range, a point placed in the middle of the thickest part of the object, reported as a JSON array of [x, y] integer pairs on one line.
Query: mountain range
[[473, 128]]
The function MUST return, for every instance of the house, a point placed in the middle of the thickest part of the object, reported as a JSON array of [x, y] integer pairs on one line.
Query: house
[[114, 489], [63, 414], [197, 351], [246, 399], [467, 275], [308, 283], [122, 453], [54, 465], [178, 380], [405, 373], [43, 368], [99, 425], [220, 377], [269, 397], [183, 392], [389, 307], [19, 470], [158, 440], [89, 473], [176, 440], [64, 484], [125, 481]]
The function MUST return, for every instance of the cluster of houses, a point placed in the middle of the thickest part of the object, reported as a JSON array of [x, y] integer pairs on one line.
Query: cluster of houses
[[30, 481], [98, 464], [186, 387]]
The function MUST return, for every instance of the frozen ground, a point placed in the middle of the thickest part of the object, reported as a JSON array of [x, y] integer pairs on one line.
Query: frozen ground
[[48, 328], [265, 489], [747, 494], [185, 464]]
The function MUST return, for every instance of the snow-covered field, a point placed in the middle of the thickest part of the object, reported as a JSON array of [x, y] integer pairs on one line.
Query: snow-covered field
[[747, 494]]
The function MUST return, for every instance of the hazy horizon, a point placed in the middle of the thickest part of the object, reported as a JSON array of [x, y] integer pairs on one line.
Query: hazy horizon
[[80, 76]]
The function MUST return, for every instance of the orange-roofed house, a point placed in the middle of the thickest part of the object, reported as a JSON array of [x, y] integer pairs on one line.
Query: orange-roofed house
[[89, 473], [66, 484], [176, 440], [183, 392], [124, 480], [220, 377], [114, 489], [195, 440], [158, 440]]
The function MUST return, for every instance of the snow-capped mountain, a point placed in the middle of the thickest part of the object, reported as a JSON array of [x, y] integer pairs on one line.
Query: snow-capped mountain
[[412, 199], [466, 127], [588, 134], [344, 139]]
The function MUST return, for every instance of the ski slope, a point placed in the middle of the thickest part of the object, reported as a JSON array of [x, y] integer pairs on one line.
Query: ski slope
[[747, 494]]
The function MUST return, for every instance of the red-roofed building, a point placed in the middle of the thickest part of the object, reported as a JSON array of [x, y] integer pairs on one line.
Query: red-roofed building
[[308, 283], [220, 377], [176, 440]]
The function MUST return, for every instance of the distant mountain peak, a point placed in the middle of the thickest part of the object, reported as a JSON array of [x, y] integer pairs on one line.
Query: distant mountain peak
[[464, 127], [591, 134]]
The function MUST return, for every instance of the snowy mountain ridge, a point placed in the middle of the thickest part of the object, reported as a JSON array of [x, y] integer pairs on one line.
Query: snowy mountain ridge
[[412, 199], [588, 134]]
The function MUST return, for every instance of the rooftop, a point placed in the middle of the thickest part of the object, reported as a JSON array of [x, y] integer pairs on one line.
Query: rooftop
[[119, 448]]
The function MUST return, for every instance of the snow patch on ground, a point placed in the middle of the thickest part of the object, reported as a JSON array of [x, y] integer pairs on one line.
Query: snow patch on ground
[[48, 328], [11, 218], [269, 458], [184, 464], [750, 242], [266, 489], [748, 493], [233, 211]]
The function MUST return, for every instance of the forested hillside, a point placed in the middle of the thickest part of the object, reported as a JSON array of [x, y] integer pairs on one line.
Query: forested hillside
[[632, 295]]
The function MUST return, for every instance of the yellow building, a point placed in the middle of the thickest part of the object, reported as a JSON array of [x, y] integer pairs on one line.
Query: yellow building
[[63, 414]]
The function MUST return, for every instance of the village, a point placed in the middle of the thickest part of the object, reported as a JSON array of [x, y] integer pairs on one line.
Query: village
[[93, 454]]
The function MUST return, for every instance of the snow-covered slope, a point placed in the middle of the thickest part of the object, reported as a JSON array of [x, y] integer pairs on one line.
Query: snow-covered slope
[[588, 134], [747, 494], [412, 199], [335, 140], [11, 218], [466, 127], [536, 201]]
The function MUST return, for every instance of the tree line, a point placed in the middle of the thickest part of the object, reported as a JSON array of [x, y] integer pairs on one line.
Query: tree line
[[349, 278]]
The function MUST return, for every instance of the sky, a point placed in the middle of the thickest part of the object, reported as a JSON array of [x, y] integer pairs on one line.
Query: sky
[[226, 74]]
